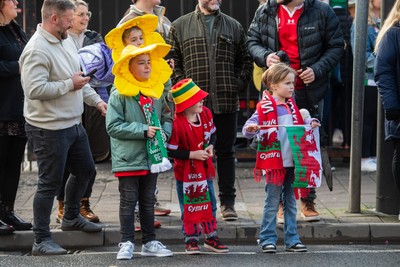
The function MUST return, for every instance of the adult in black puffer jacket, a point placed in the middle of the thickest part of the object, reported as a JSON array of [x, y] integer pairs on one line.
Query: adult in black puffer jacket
[[12, 121], [320, 40], [319, 46]]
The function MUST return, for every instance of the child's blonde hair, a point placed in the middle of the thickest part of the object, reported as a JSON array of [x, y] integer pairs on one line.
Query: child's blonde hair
[[275, 74]]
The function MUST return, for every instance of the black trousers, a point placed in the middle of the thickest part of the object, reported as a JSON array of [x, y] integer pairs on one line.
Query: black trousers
[[11, 155], [226, 125]]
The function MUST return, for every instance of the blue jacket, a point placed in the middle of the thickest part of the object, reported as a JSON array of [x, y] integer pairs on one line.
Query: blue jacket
[[387, 75]]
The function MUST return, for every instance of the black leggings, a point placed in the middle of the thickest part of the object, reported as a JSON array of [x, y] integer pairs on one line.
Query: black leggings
[[11, 155]]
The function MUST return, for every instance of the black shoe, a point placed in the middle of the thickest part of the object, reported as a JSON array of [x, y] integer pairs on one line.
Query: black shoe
[[269, 248], [5, 229], [299, 247], [19, 224], [79, 224]]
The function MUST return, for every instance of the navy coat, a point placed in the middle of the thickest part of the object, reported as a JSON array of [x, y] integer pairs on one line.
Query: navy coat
[[387, 75]]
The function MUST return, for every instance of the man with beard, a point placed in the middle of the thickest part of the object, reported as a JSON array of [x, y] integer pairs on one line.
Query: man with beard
[[308, 33], [210, 48], [54, 93]]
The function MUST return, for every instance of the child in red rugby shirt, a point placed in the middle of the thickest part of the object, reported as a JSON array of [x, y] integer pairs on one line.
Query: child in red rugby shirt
[[191, 145]]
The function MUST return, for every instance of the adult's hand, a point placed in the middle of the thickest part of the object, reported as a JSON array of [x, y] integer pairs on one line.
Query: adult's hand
[[272, 59], [307, 75], [392, 114], [102, 107], [78, 80]]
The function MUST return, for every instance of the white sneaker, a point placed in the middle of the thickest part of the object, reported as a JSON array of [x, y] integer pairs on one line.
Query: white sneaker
[[125, 250], [337, 137], [368, 165], [155, 249]]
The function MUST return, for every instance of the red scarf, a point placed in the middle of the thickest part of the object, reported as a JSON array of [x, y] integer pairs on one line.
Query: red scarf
[[197, 209], [269, 155]]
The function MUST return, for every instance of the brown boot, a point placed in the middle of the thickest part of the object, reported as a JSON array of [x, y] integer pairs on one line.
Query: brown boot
[[60, 214], [86, 212], [308, 211]]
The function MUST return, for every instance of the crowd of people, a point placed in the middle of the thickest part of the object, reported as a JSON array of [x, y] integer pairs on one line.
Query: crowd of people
[[157, 90]]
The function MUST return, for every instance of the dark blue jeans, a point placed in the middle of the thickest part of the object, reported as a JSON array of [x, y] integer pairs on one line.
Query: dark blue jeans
[[133, 189], [56, 151], [226, 125]]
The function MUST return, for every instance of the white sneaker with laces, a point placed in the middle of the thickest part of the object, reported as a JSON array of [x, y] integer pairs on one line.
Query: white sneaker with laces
[[368, 165], [125, 250], [155, 249]]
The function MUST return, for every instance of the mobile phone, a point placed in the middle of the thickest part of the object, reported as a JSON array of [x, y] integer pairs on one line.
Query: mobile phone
[[170, 54], [90, 74]]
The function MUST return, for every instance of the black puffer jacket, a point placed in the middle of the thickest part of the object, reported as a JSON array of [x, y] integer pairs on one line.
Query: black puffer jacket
[[320, 40], [11, 94]]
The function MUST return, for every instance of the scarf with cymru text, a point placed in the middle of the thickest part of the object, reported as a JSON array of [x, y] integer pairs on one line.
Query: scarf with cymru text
[[269, 156], [197, 208], [304, 142]]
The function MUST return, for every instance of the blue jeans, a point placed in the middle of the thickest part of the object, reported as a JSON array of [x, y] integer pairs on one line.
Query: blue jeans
[[133, 189], [179, 191], [268, 234], [56, 151]]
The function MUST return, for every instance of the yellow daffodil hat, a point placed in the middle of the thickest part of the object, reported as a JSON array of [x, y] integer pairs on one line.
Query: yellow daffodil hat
[[147, 23], [126, 83]]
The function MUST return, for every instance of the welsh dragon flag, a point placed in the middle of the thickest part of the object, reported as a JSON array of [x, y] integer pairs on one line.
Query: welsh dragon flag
[[304, 142]]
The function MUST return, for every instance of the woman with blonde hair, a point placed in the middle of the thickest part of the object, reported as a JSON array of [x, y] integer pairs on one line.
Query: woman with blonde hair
[[368, 161], [387, 77]]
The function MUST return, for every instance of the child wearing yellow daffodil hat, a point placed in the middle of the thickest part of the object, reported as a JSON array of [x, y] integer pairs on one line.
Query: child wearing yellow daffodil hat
[[145, 26], [138, 126]]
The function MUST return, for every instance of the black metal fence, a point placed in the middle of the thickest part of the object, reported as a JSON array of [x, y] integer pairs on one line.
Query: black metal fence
[[106, 13]]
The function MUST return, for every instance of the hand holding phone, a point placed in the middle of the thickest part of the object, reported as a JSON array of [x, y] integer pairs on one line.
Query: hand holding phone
[[90, 74]]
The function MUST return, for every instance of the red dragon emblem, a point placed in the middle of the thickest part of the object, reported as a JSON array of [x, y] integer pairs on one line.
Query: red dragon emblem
[[196, 193]]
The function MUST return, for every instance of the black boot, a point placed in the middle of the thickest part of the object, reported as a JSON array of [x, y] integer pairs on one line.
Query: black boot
[[9, 217], [5, 229]]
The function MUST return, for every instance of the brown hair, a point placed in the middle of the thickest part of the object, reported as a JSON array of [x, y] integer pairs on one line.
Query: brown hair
[[127, 32], [276, 73], [56, 6]]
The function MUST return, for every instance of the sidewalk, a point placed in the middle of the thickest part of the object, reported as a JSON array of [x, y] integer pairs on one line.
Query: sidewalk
[[336, 225]]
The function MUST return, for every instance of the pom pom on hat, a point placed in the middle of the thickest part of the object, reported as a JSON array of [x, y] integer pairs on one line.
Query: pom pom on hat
[[186, 94]]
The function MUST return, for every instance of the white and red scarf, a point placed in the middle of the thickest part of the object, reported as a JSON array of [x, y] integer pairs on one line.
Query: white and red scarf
[[197, 209], [269, 155]]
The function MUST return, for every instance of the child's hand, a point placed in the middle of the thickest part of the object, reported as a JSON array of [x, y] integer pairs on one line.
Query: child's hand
[[199, 155], [315, 124], [171, 63], [151, 132], [252, 128], [210, 150]]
